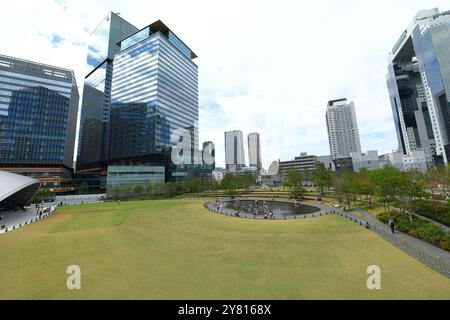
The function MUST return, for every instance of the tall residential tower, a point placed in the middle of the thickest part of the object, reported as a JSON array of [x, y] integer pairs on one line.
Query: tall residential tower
[[343, 135]]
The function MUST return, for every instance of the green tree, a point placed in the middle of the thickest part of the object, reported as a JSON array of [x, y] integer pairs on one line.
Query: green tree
[[150, 188], [364, 184], [83, 188], [434, 181], [298, 191], [386, 181], [409, 188], [346, 188], [138, 189], [322, 177], [293, 178]]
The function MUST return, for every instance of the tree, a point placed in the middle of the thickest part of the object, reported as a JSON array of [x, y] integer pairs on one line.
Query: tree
[[346, 188], [83, 188], [364, 184], [322, 177], [434, 180], [150, 188], [138, 189], [385, 181], [293, 178], [409, 188], [298, 191]]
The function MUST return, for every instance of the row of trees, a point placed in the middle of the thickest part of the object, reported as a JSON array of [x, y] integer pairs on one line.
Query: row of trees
[[230, 183], [168, 189], [392, 186]]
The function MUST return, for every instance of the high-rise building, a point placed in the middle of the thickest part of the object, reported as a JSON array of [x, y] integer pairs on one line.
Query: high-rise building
[[254, 150], [144, 96], [343, 135], [154, 97], [234, 150], [96, 104], [419, 86], [38, 116]]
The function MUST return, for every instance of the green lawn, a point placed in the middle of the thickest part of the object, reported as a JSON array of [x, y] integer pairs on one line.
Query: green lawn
[[175, 249]]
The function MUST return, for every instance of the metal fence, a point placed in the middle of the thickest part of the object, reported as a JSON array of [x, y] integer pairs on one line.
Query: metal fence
[[438, 262], [426, 255], [234, 213]]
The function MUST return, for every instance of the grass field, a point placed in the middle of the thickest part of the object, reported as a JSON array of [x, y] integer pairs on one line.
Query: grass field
[[178, 250]]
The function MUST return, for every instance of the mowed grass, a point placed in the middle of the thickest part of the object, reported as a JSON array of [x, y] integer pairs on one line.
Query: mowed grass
[[176, 249]]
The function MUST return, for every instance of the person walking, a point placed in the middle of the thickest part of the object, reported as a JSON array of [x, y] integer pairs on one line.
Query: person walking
[[391, 224]]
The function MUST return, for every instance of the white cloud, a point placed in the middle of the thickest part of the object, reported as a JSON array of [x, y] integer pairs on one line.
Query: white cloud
[[265, 66]]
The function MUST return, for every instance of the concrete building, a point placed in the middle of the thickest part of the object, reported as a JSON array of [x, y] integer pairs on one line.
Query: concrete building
[[343, 135], [419, 87], [415, 160], [234, 150], [305, 164], [327, 161], [368, 160]]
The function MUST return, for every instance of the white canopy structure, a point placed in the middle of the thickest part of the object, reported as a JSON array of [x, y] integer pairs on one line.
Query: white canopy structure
[[16, 190]]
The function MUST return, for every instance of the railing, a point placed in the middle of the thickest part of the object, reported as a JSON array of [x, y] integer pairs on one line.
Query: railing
[[426, 255], [234, 213]]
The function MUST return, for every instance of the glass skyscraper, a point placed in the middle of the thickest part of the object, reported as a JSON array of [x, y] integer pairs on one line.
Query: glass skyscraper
[[155, 76], [419, 86], [38, 115], [154, 94], [96, 104], [142, 90]]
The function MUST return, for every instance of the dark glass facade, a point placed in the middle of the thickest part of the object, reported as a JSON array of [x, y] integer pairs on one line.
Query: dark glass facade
[[38, 115], [154, 94], [419, 86], [94, 122]]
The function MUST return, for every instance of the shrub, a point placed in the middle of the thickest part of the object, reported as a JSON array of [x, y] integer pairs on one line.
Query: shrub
[[419, 228]]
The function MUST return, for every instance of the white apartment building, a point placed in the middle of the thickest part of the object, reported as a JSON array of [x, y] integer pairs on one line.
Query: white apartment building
[[343, 135]]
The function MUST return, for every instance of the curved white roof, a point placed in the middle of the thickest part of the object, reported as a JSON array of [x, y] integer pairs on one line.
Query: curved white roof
[[11, 184]]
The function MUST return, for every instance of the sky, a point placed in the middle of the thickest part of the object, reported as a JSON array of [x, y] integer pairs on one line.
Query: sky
[[264, 66]]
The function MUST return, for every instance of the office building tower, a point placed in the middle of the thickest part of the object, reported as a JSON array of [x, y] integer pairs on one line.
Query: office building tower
[[343, 135], [96, 104], [38, 116], [154, 97], [150, 95], [419, 86], [234, 150], [254, 151]]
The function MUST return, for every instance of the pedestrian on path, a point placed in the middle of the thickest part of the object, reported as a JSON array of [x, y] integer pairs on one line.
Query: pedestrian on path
[[391, 224]]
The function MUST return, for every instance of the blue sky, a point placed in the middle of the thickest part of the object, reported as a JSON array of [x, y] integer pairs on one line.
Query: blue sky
[[264, 66]]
